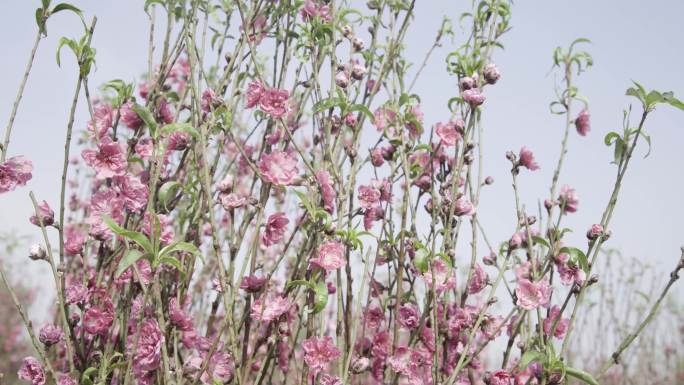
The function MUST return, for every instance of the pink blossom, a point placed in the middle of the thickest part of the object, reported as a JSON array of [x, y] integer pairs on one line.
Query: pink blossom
[[448, 133], [369, 196], [439, 276], [104, 203], [478, 280], [383, 118], [274, 102], [527, 159], [270, 307], [147, 356], [108, 160], [132, 190], [15, 172], [252, 283], [373, 316], [310, 10], [500, 377], [209, 100], [569, 199], [178, 141], [377, 158], [220, 369], [473, 97], [178, 317], [75, 293], [164, 110], [255, 90], [569, 272], [279, 168], [582, 123], [233, 200], [74, 239], [328, 193], [144, 148], [409, 316], [327, 379], [274, 230], [561, 326], [98, 320], [330, 256], [66, 379], [50, 334], [319, 352], [31, 370], [45, 213], [462, 207], [102, 120], [129, 117], [531, 295]]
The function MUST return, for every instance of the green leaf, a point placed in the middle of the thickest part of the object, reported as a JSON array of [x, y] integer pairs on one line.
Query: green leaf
[[421, 260], [180, 127], [171, 261], [610, 138], [182, 247], [362, 108], [135, 236], [147, 117], [39, 21], [149, 3], [541, 240], [67, 7], [578, 256], [671, 100], [168, 192], [529, 357], [324, 104], [71, 44], [320, 297], [581, 375], [130, 257]]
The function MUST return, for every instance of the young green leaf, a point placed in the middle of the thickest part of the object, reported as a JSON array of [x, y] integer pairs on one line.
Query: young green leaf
[[147, 117], [135, 236], [130, 257], [581, 375]]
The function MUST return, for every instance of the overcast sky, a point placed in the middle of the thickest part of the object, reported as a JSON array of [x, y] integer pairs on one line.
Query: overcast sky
[[630, 40]]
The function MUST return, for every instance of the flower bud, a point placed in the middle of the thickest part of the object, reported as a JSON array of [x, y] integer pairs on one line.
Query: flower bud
[[341, 79], [358, 44], [489, 180], [491, 73], [360, 365], [376, 157], [489, 260], [548, 203], [466, 83], [346, 30], [594, 232], [37, 252], [358, 71]]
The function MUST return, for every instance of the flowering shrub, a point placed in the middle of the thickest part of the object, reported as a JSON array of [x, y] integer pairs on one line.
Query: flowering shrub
[[242, 222]]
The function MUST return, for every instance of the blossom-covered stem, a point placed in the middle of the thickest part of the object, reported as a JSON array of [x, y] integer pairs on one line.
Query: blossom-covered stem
[[347, 357], [28, 324], [67, 146], [471, 337], [615, 357], [61, 302], [595, 246], [17, 100], [564, 143]]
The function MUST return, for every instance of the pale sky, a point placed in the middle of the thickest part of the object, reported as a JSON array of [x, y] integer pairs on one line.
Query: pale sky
[[630, 40]]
